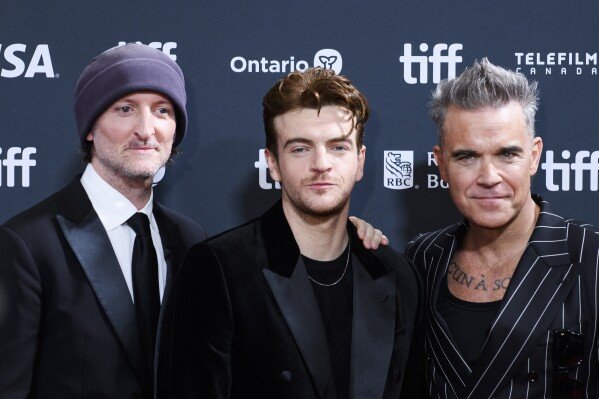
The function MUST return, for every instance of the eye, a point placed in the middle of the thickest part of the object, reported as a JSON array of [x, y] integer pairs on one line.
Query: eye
[[339, 147], [299, 150], [124, 108], [508, 155], [165, 110], [465, 158]]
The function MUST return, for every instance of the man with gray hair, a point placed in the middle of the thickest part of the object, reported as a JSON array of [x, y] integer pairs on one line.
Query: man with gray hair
[[511, 308]]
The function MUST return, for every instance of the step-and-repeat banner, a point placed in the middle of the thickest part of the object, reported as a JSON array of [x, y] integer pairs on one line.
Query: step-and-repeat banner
[[233, 52]]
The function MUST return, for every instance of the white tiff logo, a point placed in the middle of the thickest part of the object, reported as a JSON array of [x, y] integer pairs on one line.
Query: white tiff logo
[[451, 59], [262, 167], [13, 161], [584, 161]]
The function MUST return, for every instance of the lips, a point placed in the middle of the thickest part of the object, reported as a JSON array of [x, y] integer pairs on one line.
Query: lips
[[320, 185], [489, 197]]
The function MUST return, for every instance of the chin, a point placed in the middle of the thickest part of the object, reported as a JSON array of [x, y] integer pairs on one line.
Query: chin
[[490, 223], [320, 209], [142, 173]]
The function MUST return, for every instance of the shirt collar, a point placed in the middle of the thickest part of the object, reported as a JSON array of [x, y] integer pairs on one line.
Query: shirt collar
[[112, 207]]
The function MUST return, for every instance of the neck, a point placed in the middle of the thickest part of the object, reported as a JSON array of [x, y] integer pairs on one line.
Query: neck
[[318, 238], [137, 190], [510, 239]]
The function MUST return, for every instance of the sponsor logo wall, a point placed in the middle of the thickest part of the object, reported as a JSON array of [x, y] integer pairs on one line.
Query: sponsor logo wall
[[232, 55]]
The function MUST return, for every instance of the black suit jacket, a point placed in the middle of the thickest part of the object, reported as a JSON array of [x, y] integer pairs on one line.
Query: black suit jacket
[[246, 323], [554, 287], [67, 323]]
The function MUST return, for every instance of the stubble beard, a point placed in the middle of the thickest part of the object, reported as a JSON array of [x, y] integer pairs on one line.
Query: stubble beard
[[136, 171], [308, 209]]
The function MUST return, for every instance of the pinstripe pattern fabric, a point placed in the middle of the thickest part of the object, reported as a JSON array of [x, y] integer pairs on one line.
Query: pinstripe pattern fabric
[[554, 286]]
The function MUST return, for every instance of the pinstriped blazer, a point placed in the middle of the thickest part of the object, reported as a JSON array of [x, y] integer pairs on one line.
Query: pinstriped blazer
[[554, 286]]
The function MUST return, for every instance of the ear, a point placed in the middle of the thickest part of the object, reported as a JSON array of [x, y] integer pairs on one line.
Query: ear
[[438, 152], [273, 165], [361, 160], [537, 150], [89, 137]]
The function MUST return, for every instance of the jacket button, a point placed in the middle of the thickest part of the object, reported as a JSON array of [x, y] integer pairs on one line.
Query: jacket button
[[285, 376], [396, 375], [533, 376]]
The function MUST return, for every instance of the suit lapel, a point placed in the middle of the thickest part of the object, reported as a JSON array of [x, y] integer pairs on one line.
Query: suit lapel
[[89, 242], [172, 244], [287, 278], [174, 251], [542, 280], [440, 343], [373, 328], [299, 307]]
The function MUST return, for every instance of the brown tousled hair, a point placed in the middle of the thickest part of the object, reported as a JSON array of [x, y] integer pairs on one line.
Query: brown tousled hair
[[313, 88]]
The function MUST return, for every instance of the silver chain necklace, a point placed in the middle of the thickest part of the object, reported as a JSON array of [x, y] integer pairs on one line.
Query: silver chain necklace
[[344, 270]]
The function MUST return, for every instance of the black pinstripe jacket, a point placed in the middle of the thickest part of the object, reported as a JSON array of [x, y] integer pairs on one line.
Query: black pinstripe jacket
[[554, 287]]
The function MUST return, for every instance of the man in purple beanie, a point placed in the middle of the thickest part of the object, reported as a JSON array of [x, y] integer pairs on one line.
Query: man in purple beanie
[[85, 271]]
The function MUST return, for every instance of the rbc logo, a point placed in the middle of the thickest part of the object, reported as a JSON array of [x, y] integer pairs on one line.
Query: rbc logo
[[399, 169], [437, 59], [166, 47], [329, 59], [39, 62], [584, 161], [12, 162]]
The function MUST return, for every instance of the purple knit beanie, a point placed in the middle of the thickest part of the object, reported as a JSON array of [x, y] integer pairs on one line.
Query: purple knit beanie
[[126, 69]]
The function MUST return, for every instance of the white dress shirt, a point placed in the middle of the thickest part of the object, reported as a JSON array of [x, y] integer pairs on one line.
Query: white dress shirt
[[114, 209]]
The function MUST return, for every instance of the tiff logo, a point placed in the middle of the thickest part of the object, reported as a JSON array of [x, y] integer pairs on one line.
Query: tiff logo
[[262, 167], [166, 47], [584, 161], [13, 161], [437, 59]]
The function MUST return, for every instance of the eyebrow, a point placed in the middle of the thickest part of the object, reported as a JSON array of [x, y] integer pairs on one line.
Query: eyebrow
[[511, 148], [296, 141], [471, 153], [302, 140], [463, 153]]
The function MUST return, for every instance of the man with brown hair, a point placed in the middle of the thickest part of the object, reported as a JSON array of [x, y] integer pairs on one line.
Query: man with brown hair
[[291, 304]]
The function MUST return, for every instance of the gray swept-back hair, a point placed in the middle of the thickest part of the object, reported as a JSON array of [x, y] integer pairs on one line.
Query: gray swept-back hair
[[484, 85]]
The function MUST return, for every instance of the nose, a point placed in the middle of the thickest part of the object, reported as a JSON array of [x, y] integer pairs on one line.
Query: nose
[[145, 124], [489, 175], [321, 161]]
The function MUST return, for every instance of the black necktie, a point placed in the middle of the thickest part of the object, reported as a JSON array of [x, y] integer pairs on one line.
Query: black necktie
[[145, 284]]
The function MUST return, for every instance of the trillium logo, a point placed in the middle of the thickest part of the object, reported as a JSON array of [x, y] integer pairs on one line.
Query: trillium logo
[[329, 59]]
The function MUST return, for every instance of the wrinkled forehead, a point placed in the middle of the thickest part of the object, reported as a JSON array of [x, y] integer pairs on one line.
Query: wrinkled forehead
[[484, 121]]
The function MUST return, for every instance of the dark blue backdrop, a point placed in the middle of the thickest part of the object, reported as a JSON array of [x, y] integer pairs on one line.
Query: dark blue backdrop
[[224, 47]]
